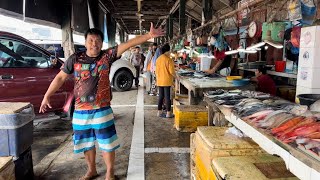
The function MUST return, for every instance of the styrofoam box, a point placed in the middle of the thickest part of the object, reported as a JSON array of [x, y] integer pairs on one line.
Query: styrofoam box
[[308, 77], [310, 37], [309, 57]]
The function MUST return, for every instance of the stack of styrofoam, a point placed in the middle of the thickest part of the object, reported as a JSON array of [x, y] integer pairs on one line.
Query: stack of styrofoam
[[308, 79], [211, 142]]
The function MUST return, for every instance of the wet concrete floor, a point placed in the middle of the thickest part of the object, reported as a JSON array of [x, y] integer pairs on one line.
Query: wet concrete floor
[[166, 150]]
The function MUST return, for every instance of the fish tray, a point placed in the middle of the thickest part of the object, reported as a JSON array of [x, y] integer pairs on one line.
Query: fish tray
[[212, 142]]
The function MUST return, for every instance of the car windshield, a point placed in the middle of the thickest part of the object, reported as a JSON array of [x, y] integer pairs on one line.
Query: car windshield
[[17, 54]]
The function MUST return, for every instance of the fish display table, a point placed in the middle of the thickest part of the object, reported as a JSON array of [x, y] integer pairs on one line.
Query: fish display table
[[298, 162], [195, 86]]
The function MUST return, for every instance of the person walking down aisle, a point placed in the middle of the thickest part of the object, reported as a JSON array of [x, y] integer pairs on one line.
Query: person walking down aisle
[[165, 75], [93, 117], [154, 89], [136, 60], [147, 66]]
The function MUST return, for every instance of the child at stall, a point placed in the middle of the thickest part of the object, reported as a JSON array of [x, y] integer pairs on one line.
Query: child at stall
[[264, 82]]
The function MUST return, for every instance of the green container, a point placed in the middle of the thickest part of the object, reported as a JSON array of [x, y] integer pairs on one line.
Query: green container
[[277, 31], [265, 28]]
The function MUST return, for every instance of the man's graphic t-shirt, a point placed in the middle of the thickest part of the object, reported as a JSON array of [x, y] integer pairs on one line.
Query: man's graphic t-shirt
[[91, 75]]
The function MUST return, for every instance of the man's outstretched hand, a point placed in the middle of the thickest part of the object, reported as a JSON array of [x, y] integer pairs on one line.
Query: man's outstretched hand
[[45, 105], [156, 32]]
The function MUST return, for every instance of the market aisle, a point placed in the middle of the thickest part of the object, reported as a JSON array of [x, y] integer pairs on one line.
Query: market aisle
[[166, 150]]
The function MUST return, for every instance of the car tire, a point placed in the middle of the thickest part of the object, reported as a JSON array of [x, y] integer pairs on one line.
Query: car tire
[[123, 81]]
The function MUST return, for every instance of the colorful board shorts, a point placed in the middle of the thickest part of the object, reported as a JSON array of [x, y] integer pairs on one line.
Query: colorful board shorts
[[92, 125]]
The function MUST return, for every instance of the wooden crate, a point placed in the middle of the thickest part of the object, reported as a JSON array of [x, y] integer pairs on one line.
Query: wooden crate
[[189, 117], [262, 167], [6, 168], [212, 142]]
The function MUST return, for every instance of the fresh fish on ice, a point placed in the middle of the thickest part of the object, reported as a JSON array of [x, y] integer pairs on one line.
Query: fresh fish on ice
[[288, 124]]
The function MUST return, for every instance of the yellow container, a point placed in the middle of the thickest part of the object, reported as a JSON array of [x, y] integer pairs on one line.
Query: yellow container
[[189, 117], [234, 77], [264, 167], [212, 142]]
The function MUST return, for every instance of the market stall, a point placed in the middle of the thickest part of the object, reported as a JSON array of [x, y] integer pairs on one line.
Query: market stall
[[281, 128], [195, 84]]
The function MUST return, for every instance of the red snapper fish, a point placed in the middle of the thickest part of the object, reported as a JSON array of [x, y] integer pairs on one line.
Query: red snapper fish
[[305, 121], [288, 124], [301, 132]]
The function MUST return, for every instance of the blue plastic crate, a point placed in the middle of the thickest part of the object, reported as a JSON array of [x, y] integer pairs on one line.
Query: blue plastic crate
[[16, 132]]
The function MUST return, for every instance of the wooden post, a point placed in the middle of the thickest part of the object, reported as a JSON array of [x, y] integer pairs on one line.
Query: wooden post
[[182, 17]]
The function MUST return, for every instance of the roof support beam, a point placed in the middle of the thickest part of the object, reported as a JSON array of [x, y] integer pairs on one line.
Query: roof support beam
[[170, 26], [172, 10], [182, 17], [207, 10]]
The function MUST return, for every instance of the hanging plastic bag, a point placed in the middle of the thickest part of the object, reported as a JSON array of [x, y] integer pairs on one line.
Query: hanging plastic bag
[[308, 11], [294, 9]]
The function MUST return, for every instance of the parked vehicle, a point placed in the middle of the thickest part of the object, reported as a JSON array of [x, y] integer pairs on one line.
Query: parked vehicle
[[26, 71], [122, 72]]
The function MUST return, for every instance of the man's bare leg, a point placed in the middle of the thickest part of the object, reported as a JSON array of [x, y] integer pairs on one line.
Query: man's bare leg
[[90, 157], [109, 158]]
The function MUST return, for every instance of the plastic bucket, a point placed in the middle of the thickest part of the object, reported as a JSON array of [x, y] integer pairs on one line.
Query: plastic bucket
[[308, 99], [280, 66]]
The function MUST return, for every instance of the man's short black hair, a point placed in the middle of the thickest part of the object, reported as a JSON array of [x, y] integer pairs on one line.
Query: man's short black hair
[[94, 31], [154, 44], [165, 48], [262, 69], [137, 47]]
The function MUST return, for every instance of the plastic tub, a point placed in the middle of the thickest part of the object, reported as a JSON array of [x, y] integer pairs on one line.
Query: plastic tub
[[280, 66], [241, 82], [308, 99], [16, 131]]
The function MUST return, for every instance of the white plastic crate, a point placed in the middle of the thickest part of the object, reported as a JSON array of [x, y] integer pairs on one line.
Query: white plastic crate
[[309, 57], [310, 37], [308, 77]]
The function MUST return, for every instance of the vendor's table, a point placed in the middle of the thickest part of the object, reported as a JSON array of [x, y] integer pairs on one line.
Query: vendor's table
[[195, 87]]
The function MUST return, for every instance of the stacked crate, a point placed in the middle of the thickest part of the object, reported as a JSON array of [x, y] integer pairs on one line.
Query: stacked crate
[[211, 142], [309, 62], [189, 117]]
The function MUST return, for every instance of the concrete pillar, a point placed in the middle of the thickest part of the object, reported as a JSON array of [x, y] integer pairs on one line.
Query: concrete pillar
[[122, 36], [111, 30], [182, 17], [67, 38]]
